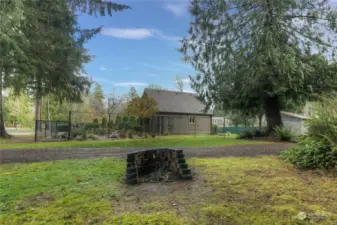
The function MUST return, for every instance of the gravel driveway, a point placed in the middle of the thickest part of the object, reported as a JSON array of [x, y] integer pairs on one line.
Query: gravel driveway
[[40, 155]]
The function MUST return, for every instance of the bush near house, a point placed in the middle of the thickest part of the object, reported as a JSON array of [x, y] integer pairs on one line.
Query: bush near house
[[249, 133], [319, 148], [214, 129], [311, 153], [283, 133]]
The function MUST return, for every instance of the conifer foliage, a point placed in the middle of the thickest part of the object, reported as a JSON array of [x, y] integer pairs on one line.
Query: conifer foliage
[[254, 54], [42, 47]]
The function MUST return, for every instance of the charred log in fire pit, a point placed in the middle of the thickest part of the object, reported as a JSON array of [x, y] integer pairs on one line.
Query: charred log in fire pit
[[156, 165]]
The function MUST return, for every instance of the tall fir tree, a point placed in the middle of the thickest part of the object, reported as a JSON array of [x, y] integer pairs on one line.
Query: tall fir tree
[[132, 94], [98, 99], [42, 47], [258, 53]]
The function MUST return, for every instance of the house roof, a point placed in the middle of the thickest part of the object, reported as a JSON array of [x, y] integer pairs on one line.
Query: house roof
[[177, 102], [295, 115]]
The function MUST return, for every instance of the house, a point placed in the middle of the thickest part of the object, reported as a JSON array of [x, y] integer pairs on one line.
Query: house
[[221, 121], [218, 121], [178, 113], [219, 118], [295, 121]]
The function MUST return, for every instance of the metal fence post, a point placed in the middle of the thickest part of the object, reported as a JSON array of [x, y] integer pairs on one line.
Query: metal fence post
[[36, 130], [69, 128], [195, 127], [109, 119]]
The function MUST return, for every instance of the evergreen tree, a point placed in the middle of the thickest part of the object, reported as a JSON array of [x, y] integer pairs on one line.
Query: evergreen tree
[[42, 47], [132, 94], [258, 53], [98, 93], [98, 99], [179, 83]]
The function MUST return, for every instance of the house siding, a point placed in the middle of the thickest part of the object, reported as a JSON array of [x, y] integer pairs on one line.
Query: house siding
[[180, 124], [296, 124]]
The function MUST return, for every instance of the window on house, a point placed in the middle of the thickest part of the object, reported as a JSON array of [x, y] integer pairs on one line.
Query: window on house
[[192, 119]]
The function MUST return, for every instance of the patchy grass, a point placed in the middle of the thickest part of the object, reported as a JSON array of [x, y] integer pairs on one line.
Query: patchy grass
[[261, 190], [58, 192], [169, 141]]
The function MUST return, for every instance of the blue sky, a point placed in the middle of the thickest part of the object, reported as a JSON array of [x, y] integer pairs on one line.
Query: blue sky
[[139, 46]]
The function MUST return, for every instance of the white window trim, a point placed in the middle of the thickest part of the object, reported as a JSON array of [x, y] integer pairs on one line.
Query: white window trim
[[190, 120]]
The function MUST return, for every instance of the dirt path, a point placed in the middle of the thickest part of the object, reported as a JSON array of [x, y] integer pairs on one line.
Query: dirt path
[[40, 155]]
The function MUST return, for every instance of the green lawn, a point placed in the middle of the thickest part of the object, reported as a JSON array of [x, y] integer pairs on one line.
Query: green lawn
[[260, 190], [170, 141]]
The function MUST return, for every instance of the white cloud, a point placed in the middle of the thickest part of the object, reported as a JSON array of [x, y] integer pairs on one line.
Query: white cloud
[[178, 9], [159, 34], [186, 81], [127, 33], [129, 84], [102, 68], [138, 34]]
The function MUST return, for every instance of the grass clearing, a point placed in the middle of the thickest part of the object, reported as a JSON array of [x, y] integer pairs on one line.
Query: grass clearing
[[260, 190], [169, 141], [20, 130]]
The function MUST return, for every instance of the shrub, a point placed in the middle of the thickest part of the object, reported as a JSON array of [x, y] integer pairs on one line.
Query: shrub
[[77, 132], [324, 124], [80, 134], [101, 131], [110, 124], [130, 134], [104, 122], [247, 134], [311, 153], [122, 135], [147, 135], [84, 135], [138, 128], [283, 133], [91, 126], [214, 129], [261, 132], [166, 133], [153, 135], [319, 148], [93, 137]]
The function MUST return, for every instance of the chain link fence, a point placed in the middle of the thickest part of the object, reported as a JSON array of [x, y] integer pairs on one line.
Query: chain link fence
[[104, 126], [51, 130]]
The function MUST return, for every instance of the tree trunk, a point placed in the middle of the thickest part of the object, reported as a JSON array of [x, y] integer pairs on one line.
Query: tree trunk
[[3, 133], [38, 113], [260, 121], [273, 114]]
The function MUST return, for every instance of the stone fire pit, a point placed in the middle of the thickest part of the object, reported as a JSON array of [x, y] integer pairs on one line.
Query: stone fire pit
[[156, 165]]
